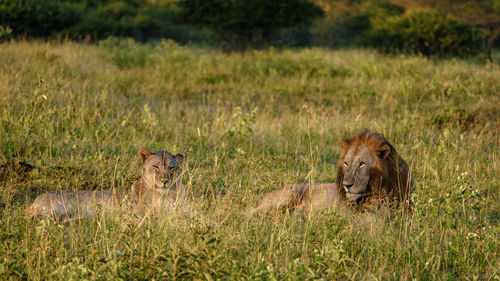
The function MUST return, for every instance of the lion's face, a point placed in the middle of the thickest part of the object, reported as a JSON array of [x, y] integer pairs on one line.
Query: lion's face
[[160, 168], [363, 166], [357, 165]]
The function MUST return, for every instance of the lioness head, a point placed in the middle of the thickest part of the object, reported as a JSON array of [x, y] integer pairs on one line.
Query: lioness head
[[369, 165], [159, 168]]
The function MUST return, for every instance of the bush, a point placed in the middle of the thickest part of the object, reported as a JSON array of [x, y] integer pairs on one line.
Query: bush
[[5, 33], [347, 21], [423, 32], [98, 19], [126, 53], [37, 18]]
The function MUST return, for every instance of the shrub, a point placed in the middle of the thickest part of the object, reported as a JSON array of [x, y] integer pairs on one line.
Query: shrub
[[347, 21], [423, 32], [98, 19], [125, 53], [37, 18], [5, 33]]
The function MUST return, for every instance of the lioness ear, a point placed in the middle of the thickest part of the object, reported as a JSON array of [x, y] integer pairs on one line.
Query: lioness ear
[[144, 154], [179, 158], [383, 151]]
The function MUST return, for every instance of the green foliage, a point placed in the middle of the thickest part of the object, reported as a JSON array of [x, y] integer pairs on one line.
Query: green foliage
[[253, 21], [5, 33], [423, 32], [229, 23], [96, 19], [142, 20], [125, 53], [346, 22], [38, 17], [240, 125]]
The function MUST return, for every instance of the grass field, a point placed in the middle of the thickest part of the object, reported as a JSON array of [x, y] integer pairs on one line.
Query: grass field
[[249, 123]]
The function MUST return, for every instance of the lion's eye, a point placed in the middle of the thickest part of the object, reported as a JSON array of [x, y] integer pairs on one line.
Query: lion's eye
[[156, 167], [361, 164], [345, 164]]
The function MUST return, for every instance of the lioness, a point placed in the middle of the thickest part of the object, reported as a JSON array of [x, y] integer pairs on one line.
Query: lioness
[[157, 190], [369, 170]]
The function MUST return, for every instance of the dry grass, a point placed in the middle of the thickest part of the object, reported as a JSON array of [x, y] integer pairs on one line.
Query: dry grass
[[249, 123]]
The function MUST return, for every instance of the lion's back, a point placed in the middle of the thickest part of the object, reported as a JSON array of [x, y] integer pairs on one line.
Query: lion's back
[[309, 197], [320, 196]]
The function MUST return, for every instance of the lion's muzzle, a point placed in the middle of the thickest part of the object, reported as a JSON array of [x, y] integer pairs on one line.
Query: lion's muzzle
[[352, 196]]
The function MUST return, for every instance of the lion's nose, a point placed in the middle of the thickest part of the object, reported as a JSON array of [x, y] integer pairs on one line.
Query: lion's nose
[[347, 186]]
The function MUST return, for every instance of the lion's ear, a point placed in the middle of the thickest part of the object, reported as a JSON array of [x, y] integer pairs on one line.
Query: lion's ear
[[345, 144], [179, 158], [144, 154], [383, 150]]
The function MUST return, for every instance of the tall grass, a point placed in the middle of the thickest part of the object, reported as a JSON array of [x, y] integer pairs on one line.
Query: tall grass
[[249, 122]]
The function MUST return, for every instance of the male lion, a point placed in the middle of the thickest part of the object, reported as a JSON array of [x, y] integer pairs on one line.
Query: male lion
[[157, 190], [369, 171]]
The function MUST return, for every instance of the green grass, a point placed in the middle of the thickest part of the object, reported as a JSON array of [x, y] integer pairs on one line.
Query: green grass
[[250, 123]]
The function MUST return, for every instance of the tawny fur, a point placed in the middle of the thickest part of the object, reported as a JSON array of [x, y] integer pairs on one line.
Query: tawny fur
[[158, 190], [369, 171], [315, 197]]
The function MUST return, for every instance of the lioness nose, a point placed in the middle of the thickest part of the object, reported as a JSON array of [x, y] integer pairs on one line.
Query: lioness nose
[[347, 186]]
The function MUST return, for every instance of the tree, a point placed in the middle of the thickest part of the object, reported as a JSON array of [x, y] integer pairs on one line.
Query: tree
[[483, 14], [251, 20]]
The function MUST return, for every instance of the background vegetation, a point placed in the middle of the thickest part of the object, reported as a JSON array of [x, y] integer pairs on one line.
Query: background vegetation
[[430, 27], [243, 22], [250, 122], [427, 33], [158, 74], [94, 19]]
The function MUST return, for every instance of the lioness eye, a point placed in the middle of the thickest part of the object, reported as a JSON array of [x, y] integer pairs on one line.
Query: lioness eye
[[156, 167], [345, 164], [361, 164]]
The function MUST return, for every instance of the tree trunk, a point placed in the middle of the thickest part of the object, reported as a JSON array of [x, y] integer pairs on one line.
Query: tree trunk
[[486, 49], [488, 42]]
